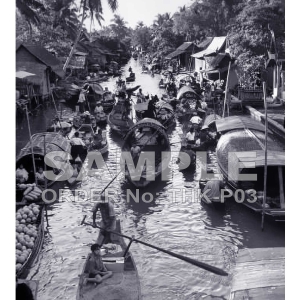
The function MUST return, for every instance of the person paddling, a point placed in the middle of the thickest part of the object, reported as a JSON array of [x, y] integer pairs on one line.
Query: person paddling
[[108, 217]]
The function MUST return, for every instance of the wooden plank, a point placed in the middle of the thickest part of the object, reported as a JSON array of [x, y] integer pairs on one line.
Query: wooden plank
[[274, 293], [259, 274]]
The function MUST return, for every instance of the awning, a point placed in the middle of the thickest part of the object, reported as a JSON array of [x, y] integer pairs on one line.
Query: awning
[[238, 122], [185, 89], [23, 74], [203, 53], [216, 44]]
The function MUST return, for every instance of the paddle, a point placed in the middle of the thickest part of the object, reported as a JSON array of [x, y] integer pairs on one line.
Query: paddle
[[192, 261]]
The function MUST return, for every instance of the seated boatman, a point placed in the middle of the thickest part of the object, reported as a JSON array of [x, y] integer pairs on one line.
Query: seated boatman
[[96, 269], [190, 136], [108, 217], [212, 191]]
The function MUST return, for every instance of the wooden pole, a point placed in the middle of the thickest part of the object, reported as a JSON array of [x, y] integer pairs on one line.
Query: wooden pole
[[266, 158], [45, 169], [225, 100], [281, 190], [192, 261], [33, 161]]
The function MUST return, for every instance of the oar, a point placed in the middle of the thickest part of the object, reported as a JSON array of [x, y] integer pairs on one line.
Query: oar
[[192, 261]]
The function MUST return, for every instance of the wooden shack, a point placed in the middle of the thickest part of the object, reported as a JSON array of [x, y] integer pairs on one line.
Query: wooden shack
[[37, 60]]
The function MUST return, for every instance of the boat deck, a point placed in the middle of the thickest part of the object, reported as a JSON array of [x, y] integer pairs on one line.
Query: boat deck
[[122, 285], [259, 274]]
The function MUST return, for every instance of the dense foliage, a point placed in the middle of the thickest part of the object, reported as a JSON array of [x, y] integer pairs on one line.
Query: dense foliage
[[246, 23]]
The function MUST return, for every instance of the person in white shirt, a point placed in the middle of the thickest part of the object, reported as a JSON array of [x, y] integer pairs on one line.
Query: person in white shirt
[[76, 140], [40, 176], [21, 174], [140, 96], [190, 136], [98, 108]]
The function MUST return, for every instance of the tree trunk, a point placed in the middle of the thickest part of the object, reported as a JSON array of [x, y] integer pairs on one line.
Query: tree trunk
[[77, 39]]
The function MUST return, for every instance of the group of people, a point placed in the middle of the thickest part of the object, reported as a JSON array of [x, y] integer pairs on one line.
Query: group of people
[[22, 175], [198, 135]]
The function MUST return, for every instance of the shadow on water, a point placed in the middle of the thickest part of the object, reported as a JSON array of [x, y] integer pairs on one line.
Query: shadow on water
[[249, 224]]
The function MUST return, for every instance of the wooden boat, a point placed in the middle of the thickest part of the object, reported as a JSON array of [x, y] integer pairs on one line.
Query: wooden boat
[[101, 118], [131, 78], [124, 284], [192, 148], [165, 114], [170, 99], [93, 141], [42, 144], [108, 101], [150, 136], [243, 141], [33, 255], [119, 119], [188, 99]]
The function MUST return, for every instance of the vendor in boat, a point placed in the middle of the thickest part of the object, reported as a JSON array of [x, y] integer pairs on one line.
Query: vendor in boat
[[140, 96], [21, 174], [205, 135], [108, 217], [97, 130], [96, 269], [151, 111], [40, 177], [98, 108], [135, 151], [212, 191], [190, 136]]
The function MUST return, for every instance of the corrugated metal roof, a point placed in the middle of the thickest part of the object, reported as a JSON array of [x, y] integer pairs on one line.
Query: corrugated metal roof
[[205, 43], [181, 49], [213, 47], [174, 54], [185, 46]]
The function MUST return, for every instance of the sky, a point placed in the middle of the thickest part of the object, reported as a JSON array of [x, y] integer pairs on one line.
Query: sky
[[133, 11]]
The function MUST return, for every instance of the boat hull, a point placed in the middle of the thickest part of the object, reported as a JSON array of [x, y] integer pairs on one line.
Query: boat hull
[[124, 284]]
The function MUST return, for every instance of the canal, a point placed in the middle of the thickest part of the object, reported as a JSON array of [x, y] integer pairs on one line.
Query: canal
[[180, 224]]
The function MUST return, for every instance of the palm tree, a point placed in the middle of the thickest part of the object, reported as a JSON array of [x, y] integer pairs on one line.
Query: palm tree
[[140, 24], [92, 9], [119, 27], [28, 8]]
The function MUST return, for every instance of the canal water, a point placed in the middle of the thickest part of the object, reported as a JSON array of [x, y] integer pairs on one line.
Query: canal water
[[174, 220]]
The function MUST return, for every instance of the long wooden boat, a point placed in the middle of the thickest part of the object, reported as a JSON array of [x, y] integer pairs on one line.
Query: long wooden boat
[[165, 114], [33, 255], [108, 101], [241, 142], [93, 141], [150, 136], [124, 284], [119, 119], [42, 144], [191, 149], [188, 99]]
